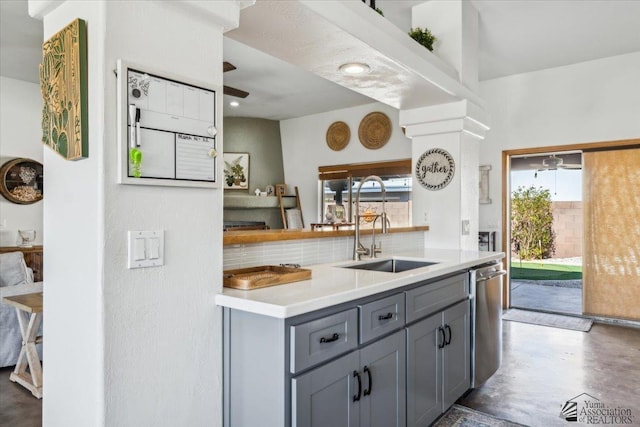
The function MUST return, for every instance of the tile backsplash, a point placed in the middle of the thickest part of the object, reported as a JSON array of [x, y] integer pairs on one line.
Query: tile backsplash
[[313, 251]]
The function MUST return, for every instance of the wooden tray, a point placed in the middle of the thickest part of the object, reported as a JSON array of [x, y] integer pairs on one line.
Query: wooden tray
[[263, 276]]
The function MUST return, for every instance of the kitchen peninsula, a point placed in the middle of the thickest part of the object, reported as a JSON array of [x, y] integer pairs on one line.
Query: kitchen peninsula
[[352, 345]]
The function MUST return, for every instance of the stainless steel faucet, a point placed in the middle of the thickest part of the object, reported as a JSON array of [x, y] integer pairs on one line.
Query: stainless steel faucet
[[358, 247]]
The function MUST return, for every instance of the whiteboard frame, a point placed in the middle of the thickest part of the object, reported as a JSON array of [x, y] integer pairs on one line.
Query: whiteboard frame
[[122, 69]]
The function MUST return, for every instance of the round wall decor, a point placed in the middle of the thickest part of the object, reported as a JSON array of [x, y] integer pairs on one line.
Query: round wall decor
[[338, 135], [21, 181], [435, 169], [374, 130]]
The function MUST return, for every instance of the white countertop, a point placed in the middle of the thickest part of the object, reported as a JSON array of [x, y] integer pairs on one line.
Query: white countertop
[[331, 285]]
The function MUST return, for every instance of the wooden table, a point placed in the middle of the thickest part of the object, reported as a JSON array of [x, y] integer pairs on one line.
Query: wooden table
[[29, 311]]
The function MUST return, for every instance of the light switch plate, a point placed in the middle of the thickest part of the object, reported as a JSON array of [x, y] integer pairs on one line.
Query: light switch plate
[[146, 248], [466, 227]]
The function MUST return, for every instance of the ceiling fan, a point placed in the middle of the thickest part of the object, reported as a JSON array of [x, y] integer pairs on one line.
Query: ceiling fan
[[232, 91], [552, 162]]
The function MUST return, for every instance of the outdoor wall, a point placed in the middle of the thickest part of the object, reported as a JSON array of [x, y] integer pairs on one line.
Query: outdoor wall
[[567, 225], [304, 148], [586, 102], [20, 136]]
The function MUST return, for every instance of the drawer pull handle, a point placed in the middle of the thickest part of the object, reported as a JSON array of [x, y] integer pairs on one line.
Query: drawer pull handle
[[333, 338], [367, 392], [448, 339], [443, 336], [385, 316], [356, 397]]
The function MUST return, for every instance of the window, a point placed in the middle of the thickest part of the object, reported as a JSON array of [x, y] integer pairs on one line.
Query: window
[[339, 185]]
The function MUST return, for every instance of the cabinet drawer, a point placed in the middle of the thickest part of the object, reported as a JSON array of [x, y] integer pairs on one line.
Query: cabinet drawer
[[428, 299], [318, 340], [380, 317]]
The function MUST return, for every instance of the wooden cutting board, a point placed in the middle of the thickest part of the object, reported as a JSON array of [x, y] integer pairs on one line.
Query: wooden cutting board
[[263, 276]]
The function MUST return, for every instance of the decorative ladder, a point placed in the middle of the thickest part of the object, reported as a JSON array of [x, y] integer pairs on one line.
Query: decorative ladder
[[291, 218]]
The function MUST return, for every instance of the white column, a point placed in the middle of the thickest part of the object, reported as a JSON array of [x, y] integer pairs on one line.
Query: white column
[[456, 128], [455, 24], [132, 347]]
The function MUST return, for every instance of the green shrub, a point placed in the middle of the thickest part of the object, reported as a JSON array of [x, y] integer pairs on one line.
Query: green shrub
[[532, 235], [424, 37]]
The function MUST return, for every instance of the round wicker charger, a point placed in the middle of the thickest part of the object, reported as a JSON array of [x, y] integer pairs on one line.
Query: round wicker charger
[[375, 130], [338, 136]]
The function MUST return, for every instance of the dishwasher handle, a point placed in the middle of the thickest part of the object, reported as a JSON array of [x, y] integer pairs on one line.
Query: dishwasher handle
[[495, 273]]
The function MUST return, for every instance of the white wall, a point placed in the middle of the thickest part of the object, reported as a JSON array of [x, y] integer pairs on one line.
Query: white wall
[[304, 148], [132, 347], [587, 102], [20, 136]]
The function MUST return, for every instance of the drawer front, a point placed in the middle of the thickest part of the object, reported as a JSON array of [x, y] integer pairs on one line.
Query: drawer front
[[318, 340], [380, 317], [427, 299]]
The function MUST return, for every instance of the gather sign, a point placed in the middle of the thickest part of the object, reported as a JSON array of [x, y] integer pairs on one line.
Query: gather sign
[[435, 169]]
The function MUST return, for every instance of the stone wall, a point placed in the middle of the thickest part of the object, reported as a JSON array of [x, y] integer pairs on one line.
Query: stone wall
[[567, 224]]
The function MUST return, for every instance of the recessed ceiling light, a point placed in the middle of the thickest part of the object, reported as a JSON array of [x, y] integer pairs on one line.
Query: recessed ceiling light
[[354, 68], [234, 104]]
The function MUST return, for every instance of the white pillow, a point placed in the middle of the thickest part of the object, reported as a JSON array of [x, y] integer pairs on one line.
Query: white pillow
[[13, 270]]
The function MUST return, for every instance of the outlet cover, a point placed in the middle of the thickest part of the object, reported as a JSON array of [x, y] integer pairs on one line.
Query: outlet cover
[[466, 227]]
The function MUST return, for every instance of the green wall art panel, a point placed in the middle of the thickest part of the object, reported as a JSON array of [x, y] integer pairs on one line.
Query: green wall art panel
[[63, 83]]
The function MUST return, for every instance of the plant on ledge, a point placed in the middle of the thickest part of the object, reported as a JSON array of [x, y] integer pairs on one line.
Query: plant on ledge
[[424, 37]]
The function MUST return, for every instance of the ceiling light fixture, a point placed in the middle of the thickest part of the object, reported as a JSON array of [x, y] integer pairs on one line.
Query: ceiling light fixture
[[234, 104], [354, 68]]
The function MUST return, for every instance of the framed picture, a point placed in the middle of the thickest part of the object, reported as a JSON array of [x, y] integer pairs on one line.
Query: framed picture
[[484, 184], [281, 189], [63, 84], [236, 171]]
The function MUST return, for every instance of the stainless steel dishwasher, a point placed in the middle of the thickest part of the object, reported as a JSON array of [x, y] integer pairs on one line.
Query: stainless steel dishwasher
[[486, 329]]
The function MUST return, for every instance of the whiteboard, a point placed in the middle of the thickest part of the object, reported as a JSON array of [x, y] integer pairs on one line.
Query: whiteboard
[[172, 123]]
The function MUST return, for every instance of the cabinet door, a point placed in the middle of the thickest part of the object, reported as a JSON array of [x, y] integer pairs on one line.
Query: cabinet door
[[324, 396], [383, 381], [457, 354], [424, 387]]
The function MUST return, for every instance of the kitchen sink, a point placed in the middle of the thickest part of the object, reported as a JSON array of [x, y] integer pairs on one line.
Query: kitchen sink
[[393, 265]]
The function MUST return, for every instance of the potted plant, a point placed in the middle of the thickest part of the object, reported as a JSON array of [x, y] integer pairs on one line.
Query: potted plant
[[424, 37]]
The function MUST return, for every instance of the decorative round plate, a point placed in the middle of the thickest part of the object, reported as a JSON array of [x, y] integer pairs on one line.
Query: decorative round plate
[[435, 169], [338, 136], [375, 130]]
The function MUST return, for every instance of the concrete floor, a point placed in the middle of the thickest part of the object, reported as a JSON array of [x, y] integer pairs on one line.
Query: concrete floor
[[542, 368], [563, 296], [18, 407]]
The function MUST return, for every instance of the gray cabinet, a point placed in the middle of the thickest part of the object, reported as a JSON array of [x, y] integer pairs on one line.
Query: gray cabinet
[[326, 395], [456, 354], [363, 388], [438, 363], [404, 356]]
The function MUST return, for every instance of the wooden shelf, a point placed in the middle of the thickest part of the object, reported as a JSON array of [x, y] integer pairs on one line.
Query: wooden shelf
[[245, 201], [239, 237]]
